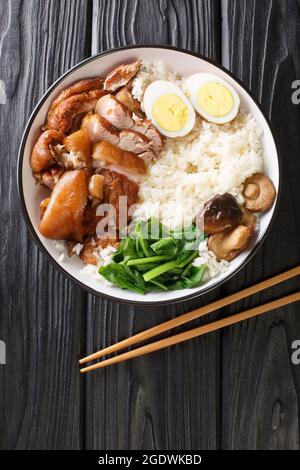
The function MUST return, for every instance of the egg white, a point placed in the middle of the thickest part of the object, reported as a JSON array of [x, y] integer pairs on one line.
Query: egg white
[[163, 87], [196, 81]]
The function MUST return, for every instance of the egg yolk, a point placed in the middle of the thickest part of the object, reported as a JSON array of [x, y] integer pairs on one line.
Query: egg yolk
[[170, 112], [215, 99]]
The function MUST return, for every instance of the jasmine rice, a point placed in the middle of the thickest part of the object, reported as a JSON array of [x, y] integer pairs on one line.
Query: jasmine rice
[[210, 160]]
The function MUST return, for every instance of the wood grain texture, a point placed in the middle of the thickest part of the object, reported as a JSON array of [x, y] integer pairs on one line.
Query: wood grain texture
[[235, 389], [169, 400], [190, 24], [260, 386], [40, 318]]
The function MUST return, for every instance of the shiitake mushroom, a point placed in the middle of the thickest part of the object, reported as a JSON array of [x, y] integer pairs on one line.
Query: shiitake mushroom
[[221, 213], [227, 245], [259, 193]]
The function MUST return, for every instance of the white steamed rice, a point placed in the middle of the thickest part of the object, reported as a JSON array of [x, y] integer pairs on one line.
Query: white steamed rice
[[190, 170]]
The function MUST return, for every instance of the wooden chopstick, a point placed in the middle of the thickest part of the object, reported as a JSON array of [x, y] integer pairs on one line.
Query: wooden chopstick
[[199, 312], [199, 331]]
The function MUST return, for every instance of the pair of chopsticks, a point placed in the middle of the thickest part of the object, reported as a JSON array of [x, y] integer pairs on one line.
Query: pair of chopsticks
[[199, 331]]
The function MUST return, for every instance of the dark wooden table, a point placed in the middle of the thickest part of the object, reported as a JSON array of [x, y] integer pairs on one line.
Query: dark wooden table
[[232, 389]]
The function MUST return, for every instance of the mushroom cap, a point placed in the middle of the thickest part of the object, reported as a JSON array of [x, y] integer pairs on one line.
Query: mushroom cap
[[259, 193], [221, 213], [227, 245]]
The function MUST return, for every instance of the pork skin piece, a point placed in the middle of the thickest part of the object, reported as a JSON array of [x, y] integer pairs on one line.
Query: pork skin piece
[[87, 84], [121, 75], [62, 116], [142, 134], [148, 156], [110, 155], [76, 152], [133, 141], [63, 217], [42, 153], [90, 219], [145, 127], [116, 185], [50, 177], [115, 112], [126, 98], [100, 129]]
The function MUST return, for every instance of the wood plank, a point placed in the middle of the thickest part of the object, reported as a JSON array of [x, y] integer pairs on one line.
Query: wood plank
[[41, 312], [169, 400], [188, 24], [260, 386]]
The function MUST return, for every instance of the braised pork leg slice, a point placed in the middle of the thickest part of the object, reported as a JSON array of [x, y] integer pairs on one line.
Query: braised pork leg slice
[[72, 101], [109, 155], [100, 129], [133, 141], [50, 177], [121, 75], [78, 143], [63, 217], [114, 112], [62, 116], [76, 151], [126, 98], [117, 185], [145, 127], [76, 88], [43, 150]]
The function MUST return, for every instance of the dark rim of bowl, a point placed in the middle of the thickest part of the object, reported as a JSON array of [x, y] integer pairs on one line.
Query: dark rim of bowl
[[43, 248]]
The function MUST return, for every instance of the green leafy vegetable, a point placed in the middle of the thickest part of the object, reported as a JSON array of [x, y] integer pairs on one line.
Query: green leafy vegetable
[[150, 259], [140, 234], [158, 270], [158, 285], [124, 277], [155, 258], [193, 279], [126, 251], [166, 246]]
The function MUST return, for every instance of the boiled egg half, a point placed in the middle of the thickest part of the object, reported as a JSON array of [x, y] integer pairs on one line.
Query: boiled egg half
[[168, 108], [213, 97]]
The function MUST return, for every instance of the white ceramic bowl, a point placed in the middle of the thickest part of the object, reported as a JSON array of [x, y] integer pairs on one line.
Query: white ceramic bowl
[[185, 63]]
